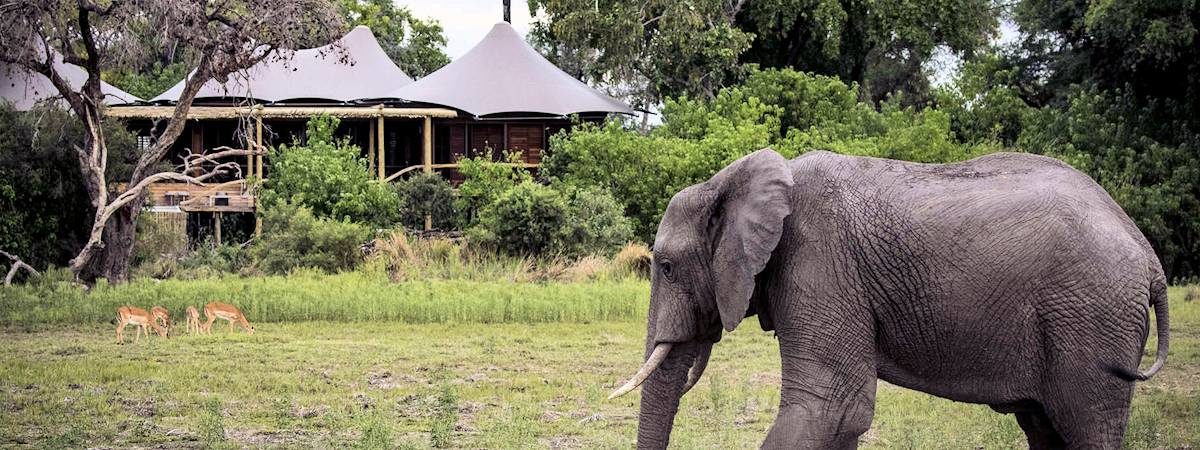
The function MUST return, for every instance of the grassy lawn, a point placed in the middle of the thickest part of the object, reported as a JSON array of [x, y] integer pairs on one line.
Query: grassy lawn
[[380, 384]]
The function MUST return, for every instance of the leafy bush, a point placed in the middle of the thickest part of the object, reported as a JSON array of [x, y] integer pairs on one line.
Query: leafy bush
[[209, 259], [524, 220], [426, 194], [156, 240], [484, 181], [793, 112], [328, 176], [293, 237], [596, 224]]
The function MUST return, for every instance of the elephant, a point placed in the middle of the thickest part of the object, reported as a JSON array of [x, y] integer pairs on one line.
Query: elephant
[[1010, 280]]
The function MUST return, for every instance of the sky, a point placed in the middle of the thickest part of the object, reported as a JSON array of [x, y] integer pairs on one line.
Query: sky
[[466, 21]]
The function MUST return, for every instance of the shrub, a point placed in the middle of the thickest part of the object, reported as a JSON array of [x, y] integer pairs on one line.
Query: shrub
[[293, 237], [525, 220], [328, 177], [596, 224], [484, 182], [425, 194], [1193, 294], [157, 240], [209, 260], [633, 259]]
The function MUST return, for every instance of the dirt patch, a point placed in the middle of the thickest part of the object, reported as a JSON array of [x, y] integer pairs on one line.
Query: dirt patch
[[271, 438], [71, 350], [140, 407], [308, 412], [765, 379], [381, 380], [558, 442]]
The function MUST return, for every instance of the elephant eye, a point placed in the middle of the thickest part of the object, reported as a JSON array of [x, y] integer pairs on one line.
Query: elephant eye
[[665, 268]]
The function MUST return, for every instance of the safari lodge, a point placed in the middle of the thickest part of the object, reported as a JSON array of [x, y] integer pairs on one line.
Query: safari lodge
[[501, 96]]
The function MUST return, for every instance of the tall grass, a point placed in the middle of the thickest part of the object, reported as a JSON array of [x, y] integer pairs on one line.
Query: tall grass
[[347, 297]]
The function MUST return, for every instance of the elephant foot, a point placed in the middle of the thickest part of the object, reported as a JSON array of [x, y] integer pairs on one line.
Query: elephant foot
[[795, 428]]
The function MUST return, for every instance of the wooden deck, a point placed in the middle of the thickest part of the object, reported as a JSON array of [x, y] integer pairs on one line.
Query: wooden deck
[[231, 197]]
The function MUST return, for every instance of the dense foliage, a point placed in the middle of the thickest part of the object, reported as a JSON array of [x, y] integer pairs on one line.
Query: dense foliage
[[523, 220], [425, 194], [44, 209], [792, 111], [326, 175], [660, 49], [293, 237], [483, 184]]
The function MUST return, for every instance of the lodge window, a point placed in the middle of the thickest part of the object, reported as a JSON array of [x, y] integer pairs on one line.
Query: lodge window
[[144, 142]]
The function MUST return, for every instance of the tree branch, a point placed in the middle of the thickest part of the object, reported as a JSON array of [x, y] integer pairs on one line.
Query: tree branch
[[17, 264]]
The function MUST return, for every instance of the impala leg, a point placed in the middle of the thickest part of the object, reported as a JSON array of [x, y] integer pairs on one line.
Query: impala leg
[[120, 337]]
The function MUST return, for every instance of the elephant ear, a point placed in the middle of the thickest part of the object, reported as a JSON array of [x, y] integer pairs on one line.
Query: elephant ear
[[750, 200]]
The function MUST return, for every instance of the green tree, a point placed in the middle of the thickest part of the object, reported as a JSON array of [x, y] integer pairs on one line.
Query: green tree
[[662, 49], [792, 111], [415, 45], [648, 49], [327, 176], [44, 209]]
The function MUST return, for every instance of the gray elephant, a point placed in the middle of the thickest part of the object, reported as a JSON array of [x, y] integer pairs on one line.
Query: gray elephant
[[1010, 280]]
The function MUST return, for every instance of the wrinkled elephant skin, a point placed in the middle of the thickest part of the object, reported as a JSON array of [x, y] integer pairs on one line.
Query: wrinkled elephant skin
[[1010, 280]]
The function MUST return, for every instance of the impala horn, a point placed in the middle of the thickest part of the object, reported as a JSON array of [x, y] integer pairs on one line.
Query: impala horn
[[656, 357]]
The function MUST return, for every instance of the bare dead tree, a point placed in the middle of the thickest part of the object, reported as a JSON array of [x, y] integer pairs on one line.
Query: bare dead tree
[[227, 36], [15, 265]]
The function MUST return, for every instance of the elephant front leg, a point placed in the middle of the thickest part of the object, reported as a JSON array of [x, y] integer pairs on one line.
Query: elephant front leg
[[827, 401]]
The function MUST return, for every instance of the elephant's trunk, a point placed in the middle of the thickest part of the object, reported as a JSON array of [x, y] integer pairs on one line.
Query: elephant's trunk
[[660, 396]]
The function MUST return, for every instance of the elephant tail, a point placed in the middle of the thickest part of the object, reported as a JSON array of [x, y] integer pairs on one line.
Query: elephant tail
[[1158, 297]]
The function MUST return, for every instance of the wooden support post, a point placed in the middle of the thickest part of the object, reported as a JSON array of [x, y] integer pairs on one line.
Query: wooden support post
[[250, 156], [380, 163], [217, 226], [370, 146], [427, 159], [427, 156], [258, 170], [258, 142]]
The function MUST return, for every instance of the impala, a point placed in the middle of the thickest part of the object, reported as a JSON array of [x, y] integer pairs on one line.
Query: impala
[[218, 310], [129, 315], [193, 320], [163, 317]]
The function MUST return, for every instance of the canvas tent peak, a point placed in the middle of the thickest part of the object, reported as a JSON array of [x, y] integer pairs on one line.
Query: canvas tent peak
[[25, 89], [503, 74], [355, 67]]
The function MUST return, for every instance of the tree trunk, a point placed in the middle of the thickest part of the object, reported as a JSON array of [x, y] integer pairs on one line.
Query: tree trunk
[[113, 260]]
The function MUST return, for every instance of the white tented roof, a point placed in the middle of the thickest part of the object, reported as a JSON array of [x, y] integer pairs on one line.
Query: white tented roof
[[322, 73], [503, 74], [25, 89]]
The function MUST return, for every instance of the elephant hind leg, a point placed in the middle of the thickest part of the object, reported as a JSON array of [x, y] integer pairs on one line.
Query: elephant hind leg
[[1039, 431]]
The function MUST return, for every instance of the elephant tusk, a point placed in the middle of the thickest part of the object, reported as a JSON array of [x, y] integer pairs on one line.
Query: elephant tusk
[[697, 368], [656, 357]]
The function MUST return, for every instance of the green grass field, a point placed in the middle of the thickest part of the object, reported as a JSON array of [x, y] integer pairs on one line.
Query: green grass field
[[459, 383]]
